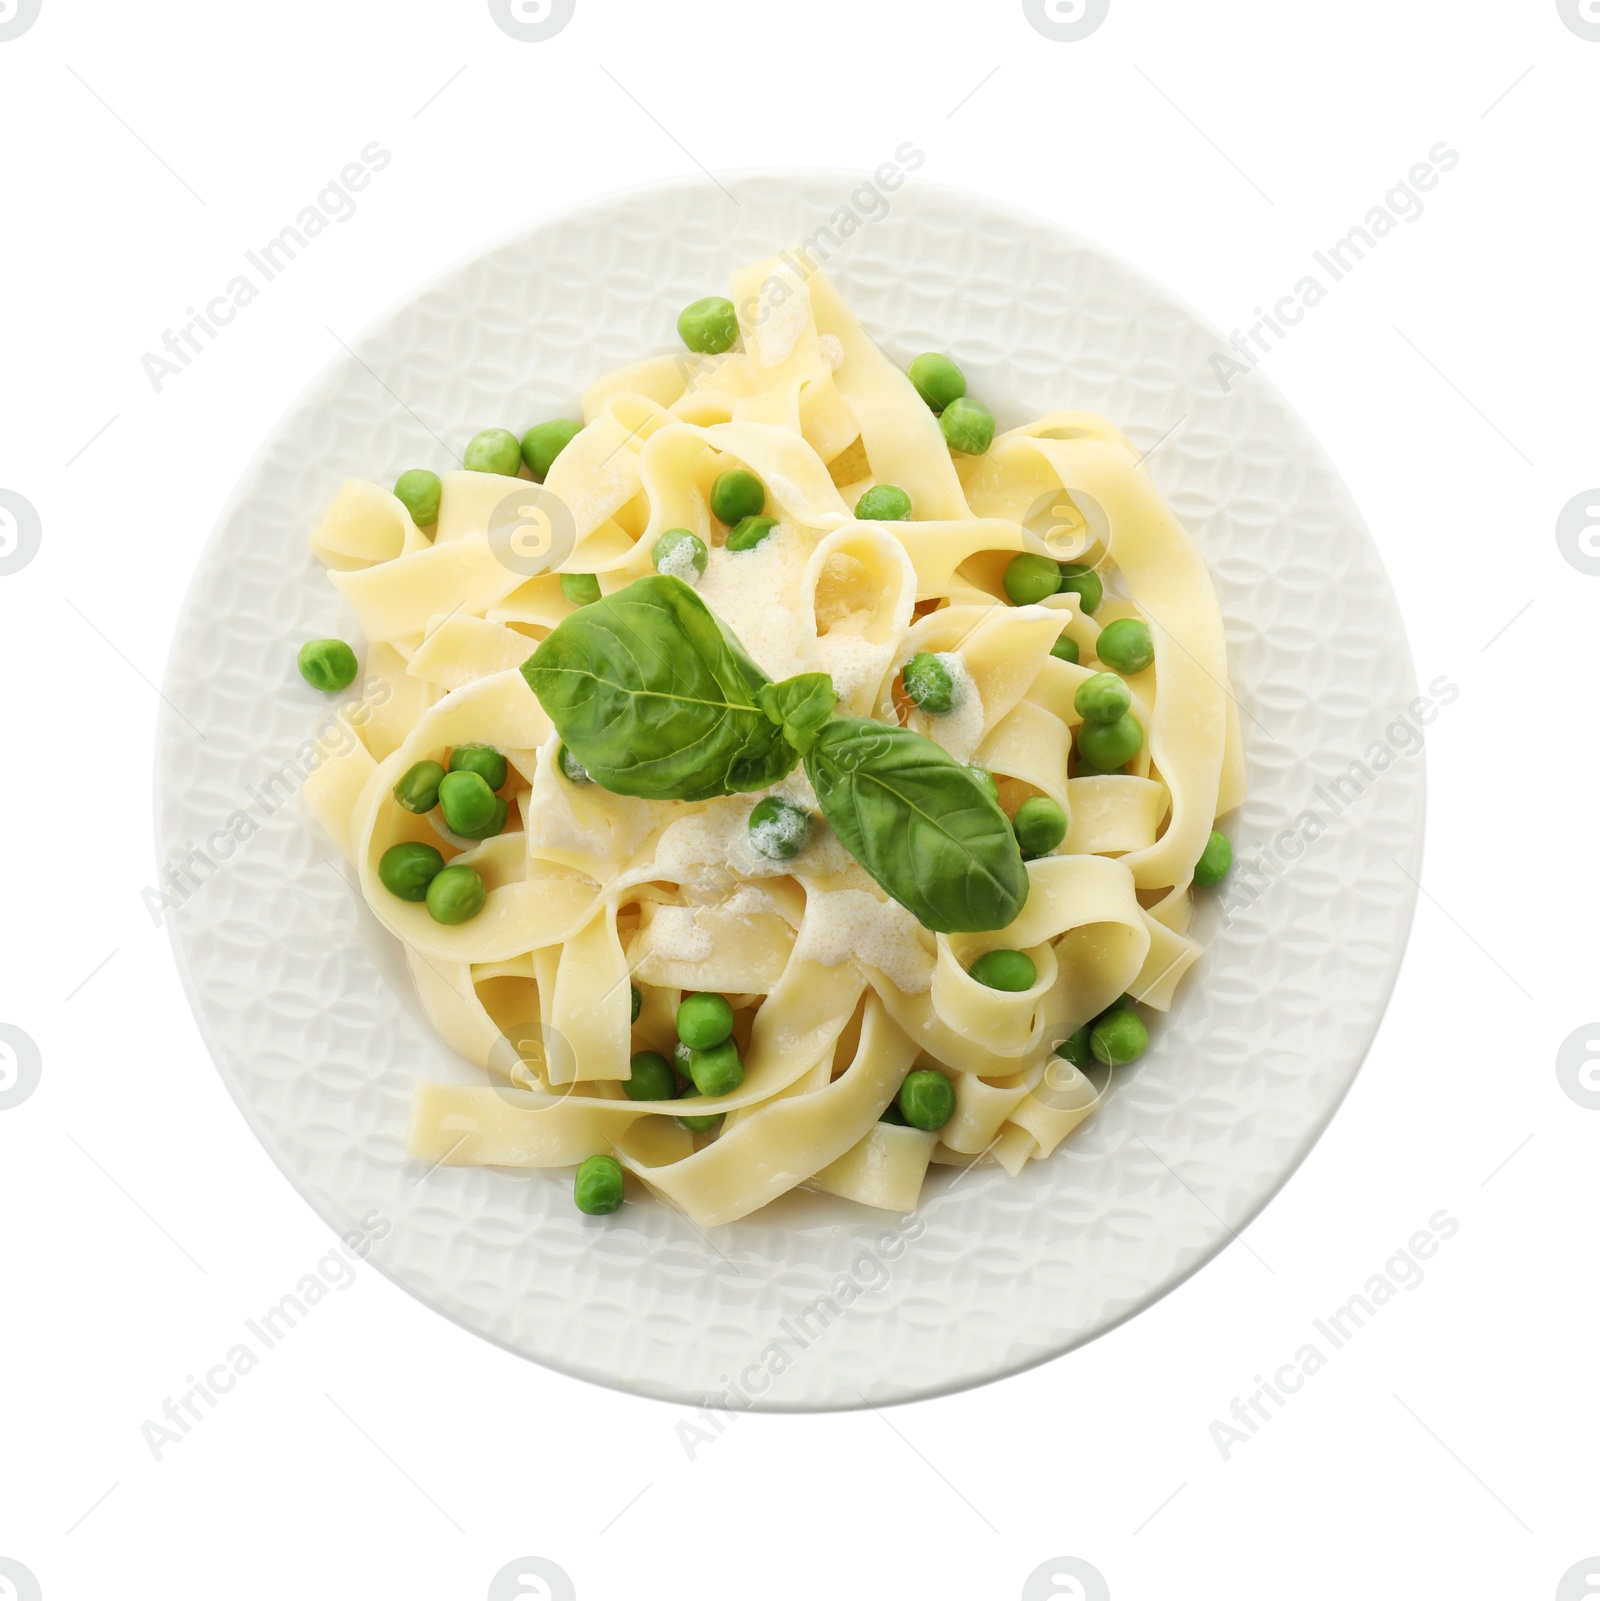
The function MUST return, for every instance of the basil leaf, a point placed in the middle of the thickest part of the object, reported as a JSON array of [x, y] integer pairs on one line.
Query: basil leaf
[[655, 699], [922, 824], [800, 706]]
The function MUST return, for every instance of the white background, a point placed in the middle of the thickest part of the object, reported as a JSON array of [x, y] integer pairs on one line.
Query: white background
[[382, 1451]]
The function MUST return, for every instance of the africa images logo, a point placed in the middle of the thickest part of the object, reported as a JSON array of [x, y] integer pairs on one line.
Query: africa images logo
[[17, 1583], [532, 531], [1582, 17], [532, 1579], [20, 532], [1581, 1582], [1578, 1067], [1066, 21], [21, 1066], [1578, 533], [532, 21], [16, 17], [1066, 1579]]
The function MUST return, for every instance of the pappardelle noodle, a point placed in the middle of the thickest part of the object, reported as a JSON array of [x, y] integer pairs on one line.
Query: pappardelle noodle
[[778, 778]]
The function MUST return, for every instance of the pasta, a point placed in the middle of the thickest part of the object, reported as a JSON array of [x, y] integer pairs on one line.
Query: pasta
[[843, 807]]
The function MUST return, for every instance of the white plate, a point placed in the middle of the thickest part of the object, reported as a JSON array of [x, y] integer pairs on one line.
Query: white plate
[[305, 1003]]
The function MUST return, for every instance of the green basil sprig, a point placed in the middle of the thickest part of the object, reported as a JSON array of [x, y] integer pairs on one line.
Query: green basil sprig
[[800, 706], [655, 698], [922, 823]]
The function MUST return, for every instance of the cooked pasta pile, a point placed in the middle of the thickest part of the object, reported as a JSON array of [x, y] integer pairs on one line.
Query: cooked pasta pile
[[845, 924]]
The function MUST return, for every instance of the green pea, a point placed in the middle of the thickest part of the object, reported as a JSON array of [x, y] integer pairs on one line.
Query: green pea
[[709, 326], [1102, 698], [456, 895], [737, 494], [1084, 582], [1005, 970], [1125, 646], [597, 1185], [938, 380], [484, 760], [1040, 825], [779, 830], [717, 1071], [494, 824], [968, 426], [1029, 579], [883, 503], [571, 768], [495, 450], [582, 589], [927, 1099], [680, 1058], [327, 664], [1065, 649], [418, 790], [748, 532], [407, 870], [1215, 860], [929, 682], [635, 1001], [1118, 1038], [1075, 1047], [545, 441], [1110, 746], [892, 1114], [650, 1078], [704, 1020], [677, 550], [418, 490], [986, 778], [697, 1125], [466, 801]]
